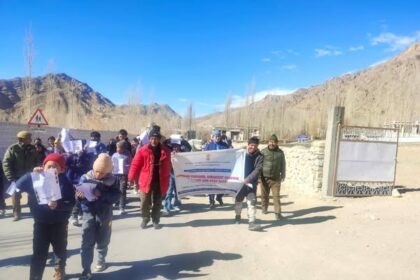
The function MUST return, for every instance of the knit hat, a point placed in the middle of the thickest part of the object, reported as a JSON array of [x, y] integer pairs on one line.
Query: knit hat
[[253, 140], [155, 132], [103, 163], [216, 132], [274, 138], [57, 158], [23, 134]]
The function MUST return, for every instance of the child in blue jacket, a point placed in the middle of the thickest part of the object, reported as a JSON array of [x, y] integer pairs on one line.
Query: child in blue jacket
[[51, 219], [97, 213]]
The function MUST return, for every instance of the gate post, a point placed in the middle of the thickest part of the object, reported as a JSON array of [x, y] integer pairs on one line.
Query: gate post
[[335, 117]]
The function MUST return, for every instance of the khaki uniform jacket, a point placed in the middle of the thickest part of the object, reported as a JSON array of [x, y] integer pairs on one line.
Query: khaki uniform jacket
[[18, 160], [274, 165]]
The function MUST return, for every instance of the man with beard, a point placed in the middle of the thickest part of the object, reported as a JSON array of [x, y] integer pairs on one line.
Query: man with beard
[[273, 173], [253, 165]]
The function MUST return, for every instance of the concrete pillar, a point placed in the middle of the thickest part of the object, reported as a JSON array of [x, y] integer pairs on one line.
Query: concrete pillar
[[335, 117]]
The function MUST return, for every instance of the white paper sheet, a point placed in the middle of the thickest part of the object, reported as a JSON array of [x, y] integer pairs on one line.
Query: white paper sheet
[[11, 189], [91, 145], [118, 164], [87, 190], [73, 146], [46, 186]]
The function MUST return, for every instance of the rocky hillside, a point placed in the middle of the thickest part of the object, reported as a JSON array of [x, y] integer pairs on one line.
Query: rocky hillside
[[67, 102], [386, 92]]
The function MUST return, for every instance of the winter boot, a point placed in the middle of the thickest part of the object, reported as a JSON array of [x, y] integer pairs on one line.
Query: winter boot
[[59, 274], [254, 227], [144, 223]]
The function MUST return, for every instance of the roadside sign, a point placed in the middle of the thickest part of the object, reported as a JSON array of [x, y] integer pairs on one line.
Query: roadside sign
[[38, 118]]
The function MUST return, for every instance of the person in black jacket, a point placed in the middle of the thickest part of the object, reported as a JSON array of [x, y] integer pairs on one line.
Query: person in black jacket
[[2, 202], [51, 219], [253, 166], [97, 213]]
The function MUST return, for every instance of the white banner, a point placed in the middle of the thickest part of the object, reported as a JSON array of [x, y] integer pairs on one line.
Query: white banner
[[209, 172]]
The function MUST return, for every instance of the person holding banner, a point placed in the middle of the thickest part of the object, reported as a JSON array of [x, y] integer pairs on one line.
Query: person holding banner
[[253, 167], [216, 144], [273, 173], [51, 218], [97, 192], [19, 159], [151, 166], [177, 144]]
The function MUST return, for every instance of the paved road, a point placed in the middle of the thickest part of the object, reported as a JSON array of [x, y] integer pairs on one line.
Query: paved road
[[321, 239]]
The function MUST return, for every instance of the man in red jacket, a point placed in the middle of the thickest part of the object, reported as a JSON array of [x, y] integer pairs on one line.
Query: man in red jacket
[[151, 166]]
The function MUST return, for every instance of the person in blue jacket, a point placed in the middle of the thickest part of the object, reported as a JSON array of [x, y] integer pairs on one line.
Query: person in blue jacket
[[216, 144], [77, 165], [51, 219], [92, 152], [97, 213]]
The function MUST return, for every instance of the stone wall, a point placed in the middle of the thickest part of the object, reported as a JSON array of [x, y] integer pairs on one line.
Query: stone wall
[[304, 168]]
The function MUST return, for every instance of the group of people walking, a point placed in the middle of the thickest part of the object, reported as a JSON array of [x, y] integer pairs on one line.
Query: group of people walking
[[144, 164]]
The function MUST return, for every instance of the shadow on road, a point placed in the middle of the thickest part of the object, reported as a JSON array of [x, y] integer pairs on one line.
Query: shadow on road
[[26, 260], [404, 189], [186, 265], [291, 219]]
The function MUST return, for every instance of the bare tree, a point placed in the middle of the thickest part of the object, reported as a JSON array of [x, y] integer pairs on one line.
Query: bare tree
[[50, 80], [189, 117], [29, 58], [227, 111]]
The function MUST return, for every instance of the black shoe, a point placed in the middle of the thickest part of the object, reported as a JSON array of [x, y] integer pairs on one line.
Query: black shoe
[[86, 275], [254, 227], [220, 202], [264, 211], [237, 219], [100, 267], [279, 217], [157, 226], [144, 223], [16, 217], [212, 205]]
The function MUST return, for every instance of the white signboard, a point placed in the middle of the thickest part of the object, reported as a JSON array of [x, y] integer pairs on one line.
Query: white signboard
[[209, 172], [366, 161]]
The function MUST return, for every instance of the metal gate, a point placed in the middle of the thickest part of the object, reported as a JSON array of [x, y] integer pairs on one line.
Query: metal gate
[[366, 160]]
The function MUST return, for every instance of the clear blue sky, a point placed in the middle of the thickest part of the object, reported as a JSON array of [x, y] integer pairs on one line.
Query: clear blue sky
[[201, 51]]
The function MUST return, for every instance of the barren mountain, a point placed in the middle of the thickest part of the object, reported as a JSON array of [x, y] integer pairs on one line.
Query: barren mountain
[[67, 102], [386, 92]]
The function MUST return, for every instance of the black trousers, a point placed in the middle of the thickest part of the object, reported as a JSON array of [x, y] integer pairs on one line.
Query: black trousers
[[77, 209], [121, 181], [44, 235], [2, 202]]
